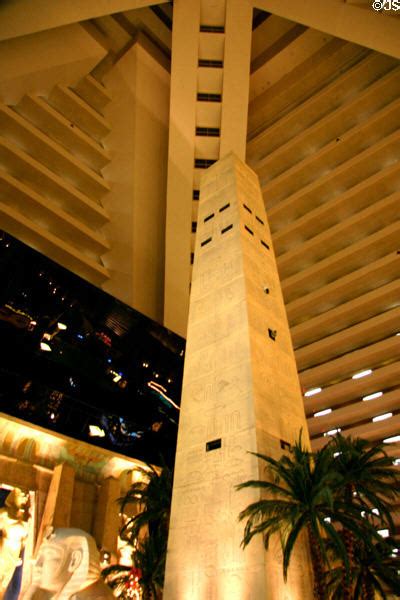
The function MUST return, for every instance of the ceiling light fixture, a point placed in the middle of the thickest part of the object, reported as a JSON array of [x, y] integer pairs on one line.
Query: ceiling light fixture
[[362, 374], [372, 396], [332, 431], [313, 391], [382, 417], [392, 440], [321, 413]]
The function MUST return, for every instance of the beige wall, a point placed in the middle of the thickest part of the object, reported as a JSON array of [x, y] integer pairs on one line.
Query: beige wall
[[37, 62], [138, 141]]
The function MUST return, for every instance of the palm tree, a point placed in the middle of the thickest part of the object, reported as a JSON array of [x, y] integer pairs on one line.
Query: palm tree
[[149, 558], [146, 533], [153, 495], [367, 484], [375, 571], [299, 498]]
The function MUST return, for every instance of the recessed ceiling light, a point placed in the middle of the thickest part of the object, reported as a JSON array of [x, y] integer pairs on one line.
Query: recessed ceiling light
[[382, 417], [332, 431], [313, 391], [392, 440], [321, 413], [372, 396], [362, 374]]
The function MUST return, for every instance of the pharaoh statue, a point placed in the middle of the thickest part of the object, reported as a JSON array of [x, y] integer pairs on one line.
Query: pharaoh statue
[[13, 532], [68, 568]]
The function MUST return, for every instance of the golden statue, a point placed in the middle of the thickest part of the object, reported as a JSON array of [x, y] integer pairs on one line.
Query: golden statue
[[13, 532]]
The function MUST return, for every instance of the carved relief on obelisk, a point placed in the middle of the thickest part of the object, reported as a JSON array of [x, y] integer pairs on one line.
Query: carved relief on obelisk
[[240, 393]]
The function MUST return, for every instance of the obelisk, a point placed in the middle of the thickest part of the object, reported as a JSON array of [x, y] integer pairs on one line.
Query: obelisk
[[240, 393]]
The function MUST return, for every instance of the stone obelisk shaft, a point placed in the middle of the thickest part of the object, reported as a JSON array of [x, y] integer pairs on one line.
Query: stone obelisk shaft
[[240, 394]]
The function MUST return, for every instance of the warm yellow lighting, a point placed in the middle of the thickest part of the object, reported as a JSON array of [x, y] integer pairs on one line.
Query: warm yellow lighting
[[45, 347], [117, 378], [61, 326], [95, 431]]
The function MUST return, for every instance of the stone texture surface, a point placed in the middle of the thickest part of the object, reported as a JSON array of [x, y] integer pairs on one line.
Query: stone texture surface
[[240, 387]]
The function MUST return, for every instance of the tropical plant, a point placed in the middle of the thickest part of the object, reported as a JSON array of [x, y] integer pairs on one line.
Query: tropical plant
[[298, 498], [146, 533], [340, 496], [149, 559], [367, 484], [375, 571], [152, 493]]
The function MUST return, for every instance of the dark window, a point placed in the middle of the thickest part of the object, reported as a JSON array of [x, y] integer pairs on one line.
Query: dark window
[[260, 220], [212, 28], [194, 226], [208, 217], [203, 163], [224, 207], [216, 64], [208, 131], [248, 229], [265, 245], [247, 208], [205, 97], [191, 258], [207, 241], [227, 228], [213, 445], [196, 194]]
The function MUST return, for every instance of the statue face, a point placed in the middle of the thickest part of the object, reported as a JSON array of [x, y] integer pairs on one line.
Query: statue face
[[52, 569]]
